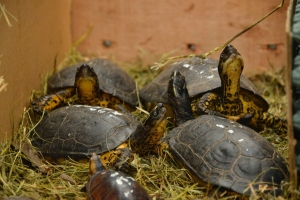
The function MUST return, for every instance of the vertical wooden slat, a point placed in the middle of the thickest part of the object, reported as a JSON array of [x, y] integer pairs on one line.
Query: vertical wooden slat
[[291, 140]]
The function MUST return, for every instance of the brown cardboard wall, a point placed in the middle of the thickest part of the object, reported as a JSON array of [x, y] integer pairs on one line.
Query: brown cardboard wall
[[28, 50], [162, 26]]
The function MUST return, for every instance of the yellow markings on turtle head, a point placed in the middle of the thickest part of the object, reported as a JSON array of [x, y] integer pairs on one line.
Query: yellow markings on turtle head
[[174, 90], [233, 63]]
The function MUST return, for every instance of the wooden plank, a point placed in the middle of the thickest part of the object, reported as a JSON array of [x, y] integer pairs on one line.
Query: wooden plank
[[162, 26], [291, 139], [28, 50]]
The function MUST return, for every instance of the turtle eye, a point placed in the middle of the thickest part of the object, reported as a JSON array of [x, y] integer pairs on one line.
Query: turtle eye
[[155, 113]]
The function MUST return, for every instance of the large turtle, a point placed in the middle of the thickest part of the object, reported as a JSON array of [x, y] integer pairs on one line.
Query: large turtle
[[221, 152], [213, 87], [77, 131], [109, 184], [97, 82]]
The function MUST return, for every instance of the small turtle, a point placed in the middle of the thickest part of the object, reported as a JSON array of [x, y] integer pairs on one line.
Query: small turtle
[[108, 184], [97, 82], [77, 131], [234, 102], [221, 152]]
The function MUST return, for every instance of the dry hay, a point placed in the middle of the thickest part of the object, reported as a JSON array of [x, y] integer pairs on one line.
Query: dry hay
[[160, 175]]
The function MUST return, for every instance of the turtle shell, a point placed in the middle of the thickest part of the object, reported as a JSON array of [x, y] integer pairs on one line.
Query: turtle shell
[[109, 184], [77, 131], [201, 76], [224, 153], [112, 79]]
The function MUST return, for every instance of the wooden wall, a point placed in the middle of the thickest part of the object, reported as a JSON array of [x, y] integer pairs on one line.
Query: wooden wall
[[163, 26], [27, 50]]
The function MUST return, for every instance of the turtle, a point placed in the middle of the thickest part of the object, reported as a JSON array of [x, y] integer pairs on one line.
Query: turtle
[[97, 82], [221, 152], [234, 102], [109, 184], [203, 80], [77, 131]]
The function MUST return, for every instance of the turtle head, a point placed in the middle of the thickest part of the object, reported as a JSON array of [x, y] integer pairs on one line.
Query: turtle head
[[157, 115], [86, 81], [178, 97], [230, 69], [148, 133], [177, 86], [95, 164], [85, 71], [231, 62]]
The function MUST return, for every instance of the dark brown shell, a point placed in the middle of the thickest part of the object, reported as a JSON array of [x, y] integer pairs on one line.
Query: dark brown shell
[[112, 79], [109, 185], [79, 130], [201, 76], [224, 153]]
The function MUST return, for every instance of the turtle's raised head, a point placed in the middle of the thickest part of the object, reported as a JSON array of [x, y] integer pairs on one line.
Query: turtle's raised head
[[85, 71], [157, 115], [178, 97], [228, 52], [150, 131], [230, 69], [230, 60], [86, 83], [177, 86]]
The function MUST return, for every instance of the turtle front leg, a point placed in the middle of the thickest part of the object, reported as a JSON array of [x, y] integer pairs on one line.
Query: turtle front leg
[[210, 103], [106, 100], [52, 101]]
